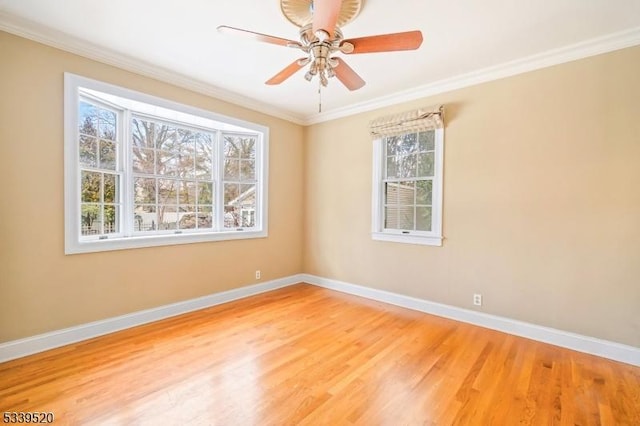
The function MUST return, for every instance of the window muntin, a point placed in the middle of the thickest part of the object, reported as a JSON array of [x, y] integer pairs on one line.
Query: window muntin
[[407, 193], [142, 171]]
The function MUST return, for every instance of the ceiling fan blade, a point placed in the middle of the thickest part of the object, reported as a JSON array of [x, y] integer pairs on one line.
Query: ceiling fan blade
[[287, 72], [347, 76], [325, 15], [256, 36], [409, 40]]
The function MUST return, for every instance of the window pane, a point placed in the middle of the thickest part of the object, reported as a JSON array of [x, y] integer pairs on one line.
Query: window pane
[[231, 217], [393, 145], [204, 167], [247, 148], [107, 124], [408, 166], [425, 164], [167, 164], [145, 218], [391, 193], [110, 188], [391, 217], [91, 219], [187, 217], [406, 193], [393, 167], [88, 119], [186, 166], [231, 193], [423, 218], [236, 198], [185, 141], [204, 156], [161, 134], [110, 219], [91, 187], [167, 191], [187, 192], [205, 193], [143, 133], [247, 198], [167, 217], [247, 170], [409, 143], [165, 136], [247, 217], [88, 151], [232, 169], [144, 190], [107, 155], [205, 216], [405, 217], [424, 189], [427, 141], [143, 160], [203, 143], [231, 149]]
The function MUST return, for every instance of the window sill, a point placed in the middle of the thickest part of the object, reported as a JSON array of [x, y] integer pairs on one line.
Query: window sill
[[124, 243], [408, 239]]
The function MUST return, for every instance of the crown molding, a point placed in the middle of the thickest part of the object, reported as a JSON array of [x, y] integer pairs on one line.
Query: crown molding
[[59, 40], [596, 46], [585, 49]]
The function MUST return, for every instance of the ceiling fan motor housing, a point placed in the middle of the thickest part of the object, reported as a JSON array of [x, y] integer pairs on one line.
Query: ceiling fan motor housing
[[300, 12]]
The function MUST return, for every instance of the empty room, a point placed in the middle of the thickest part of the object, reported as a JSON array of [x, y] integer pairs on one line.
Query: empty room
[[320, 212]]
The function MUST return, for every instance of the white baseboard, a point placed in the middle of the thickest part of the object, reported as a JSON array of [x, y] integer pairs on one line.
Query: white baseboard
[[42, 342], [577, 342], [606, 349]]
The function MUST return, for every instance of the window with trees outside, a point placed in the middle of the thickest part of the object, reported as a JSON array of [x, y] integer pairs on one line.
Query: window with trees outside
[[407, 193], [142, 171]]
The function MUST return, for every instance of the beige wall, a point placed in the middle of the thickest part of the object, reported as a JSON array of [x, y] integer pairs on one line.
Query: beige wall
[[41, 289], [541, 201]]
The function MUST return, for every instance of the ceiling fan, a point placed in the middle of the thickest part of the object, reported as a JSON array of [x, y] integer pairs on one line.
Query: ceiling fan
[[321, 38]]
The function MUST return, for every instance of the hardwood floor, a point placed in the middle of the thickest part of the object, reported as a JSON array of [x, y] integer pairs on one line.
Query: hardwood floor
[[304, 355]]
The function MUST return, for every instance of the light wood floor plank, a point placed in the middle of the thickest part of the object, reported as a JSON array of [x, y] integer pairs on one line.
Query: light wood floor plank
[[304, 355]]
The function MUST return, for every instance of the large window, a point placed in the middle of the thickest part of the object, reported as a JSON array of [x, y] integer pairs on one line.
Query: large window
[[142, 171], [407, 186]]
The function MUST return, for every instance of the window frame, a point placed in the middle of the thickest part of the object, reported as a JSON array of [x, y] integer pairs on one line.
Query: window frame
[[378, 231], [75, 243]]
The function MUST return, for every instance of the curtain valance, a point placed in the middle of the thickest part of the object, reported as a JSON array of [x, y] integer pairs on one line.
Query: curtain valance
[[411, 121]]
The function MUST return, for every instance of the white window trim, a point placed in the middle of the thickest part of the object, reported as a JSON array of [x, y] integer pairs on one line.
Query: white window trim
[[74, 244], [432, 238]]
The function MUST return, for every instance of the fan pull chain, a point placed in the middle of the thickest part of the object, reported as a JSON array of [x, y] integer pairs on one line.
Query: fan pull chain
[[319, 96]]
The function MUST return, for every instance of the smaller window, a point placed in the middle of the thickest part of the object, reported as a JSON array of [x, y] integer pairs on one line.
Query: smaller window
[[407, 187]]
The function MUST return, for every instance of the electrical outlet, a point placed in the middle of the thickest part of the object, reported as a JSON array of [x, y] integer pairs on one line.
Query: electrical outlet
[[258, 274], [477, 299]]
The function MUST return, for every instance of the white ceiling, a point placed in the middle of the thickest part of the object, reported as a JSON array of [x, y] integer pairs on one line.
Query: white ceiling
[[465, 41]]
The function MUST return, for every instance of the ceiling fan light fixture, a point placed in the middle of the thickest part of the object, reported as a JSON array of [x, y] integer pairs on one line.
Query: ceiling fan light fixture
[[322, 35], [323, 79]]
